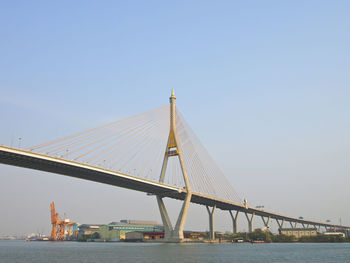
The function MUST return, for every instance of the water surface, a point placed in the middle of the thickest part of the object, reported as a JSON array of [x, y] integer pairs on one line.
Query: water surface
[[21, 251]]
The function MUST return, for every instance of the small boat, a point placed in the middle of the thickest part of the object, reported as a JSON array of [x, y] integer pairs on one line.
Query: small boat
[[258, 241], [238, 240]]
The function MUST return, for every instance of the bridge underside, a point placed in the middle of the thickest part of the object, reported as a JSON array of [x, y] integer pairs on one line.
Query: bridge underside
[[31, 160], [106, 177], [84, 172]]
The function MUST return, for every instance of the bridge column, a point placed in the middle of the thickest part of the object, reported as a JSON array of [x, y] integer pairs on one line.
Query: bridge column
[[280, 225], [291, 224], [250, 222], [174, 234], [180, 223], [267, 222], [168, 229], [211, 222], [234, 221]]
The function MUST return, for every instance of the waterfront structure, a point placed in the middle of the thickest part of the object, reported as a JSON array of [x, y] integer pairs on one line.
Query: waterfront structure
[[88, 230], [346, 232], [143, 236], [117, 231], [130, 154], [62, 228], [158, 235], [138, 222], [336, 234], [298, 232]]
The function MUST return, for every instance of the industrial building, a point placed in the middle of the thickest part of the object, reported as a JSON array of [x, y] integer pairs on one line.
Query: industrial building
[[346, 232], [88, 230], [298, 232], [336, 234], [139, 222], [116, 231], [156, 235], [142, 236]]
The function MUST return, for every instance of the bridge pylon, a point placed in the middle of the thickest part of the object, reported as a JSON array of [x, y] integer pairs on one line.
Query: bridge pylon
[[173, 150]]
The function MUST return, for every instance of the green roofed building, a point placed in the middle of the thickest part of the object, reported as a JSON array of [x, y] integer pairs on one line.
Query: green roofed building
[[116, 231]]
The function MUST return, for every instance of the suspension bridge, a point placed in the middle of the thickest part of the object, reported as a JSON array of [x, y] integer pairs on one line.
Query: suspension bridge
[[155, 152]]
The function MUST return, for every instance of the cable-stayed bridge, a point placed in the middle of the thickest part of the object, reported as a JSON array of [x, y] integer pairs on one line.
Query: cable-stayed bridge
[[155, 152]]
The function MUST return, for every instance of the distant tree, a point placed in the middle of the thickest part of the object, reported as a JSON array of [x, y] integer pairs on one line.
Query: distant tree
[[283, 238], [95, 235], [258, 234]]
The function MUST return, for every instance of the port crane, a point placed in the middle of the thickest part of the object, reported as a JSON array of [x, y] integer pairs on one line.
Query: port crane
[[59, 225]]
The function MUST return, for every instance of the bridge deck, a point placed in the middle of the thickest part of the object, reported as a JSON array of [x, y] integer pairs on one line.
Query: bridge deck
[[36, 161]]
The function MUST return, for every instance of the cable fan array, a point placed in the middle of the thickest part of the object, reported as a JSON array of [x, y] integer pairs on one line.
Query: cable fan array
[[204, 175], [136, 146]]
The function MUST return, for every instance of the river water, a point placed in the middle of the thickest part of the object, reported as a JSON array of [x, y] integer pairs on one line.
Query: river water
[[21, 251]]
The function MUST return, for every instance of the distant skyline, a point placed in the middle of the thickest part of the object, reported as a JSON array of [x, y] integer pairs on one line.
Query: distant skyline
[[264, 85]]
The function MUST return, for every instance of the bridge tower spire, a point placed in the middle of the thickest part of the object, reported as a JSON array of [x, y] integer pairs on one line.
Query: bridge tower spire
[[173, 149]]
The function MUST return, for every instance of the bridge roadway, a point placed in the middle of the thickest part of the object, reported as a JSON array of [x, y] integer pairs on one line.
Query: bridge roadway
[[42, 162]]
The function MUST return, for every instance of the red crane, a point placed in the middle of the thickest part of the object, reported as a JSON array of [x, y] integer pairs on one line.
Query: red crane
[[59, 225], [54, 221]]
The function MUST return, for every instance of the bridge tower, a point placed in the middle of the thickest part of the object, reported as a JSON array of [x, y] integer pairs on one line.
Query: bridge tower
[[173, 150]]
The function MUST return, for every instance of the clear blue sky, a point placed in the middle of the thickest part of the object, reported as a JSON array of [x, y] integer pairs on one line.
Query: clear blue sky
[[264, 84]]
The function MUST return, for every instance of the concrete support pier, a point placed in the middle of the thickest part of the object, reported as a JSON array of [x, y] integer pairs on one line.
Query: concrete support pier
[[234, 221], [211, 222], [174, 234], [280, 225], [250, 222], [266, 222], [168, 229], [291, 224]]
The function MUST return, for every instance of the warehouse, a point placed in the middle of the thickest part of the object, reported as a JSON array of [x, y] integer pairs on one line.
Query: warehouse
[[298, 232], [116, 231]]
